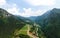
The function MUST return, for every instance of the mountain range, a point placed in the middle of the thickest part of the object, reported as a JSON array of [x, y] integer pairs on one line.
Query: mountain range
[[49, 23]]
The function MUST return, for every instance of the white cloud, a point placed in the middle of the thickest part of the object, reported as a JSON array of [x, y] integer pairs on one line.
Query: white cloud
[[40, 2], [13, 9], [2, 2], [28, 12]]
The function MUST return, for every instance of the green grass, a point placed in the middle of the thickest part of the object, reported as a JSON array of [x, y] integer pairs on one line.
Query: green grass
[[23, 30], [25, 27]]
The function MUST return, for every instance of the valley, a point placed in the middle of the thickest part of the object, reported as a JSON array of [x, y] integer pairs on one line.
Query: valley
[[44, 26]]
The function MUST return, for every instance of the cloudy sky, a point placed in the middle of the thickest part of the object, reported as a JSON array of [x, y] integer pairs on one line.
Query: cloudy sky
[[27, 8]]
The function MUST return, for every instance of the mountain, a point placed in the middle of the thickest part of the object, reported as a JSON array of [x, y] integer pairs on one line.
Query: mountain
[[27, 20], [32, 18], [10, 23], [45, 26], [50, 23]]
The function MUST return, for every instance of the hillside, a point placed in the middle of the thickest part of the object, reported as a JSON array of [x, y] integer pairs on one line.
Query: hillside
[[13, 26], [45, 26], [9, 24], [50, 23]]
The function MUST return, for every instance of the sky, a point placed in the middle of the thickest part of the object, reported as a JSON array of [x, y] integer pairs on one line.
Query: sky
[[27, 8]]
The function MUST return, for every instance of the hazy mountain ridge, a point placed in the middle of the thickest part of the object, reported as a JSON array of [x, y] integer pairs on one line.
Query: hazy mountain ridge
[[32, 18]]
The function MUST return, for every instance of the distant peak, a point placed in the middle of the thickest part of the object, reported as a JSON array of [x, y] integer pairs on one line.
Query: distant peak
[[55, 9], [0, 8]]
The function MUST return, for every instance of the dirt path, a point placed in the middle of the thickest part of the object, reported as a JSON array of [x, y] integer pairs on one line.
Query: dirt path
[[32, 36]]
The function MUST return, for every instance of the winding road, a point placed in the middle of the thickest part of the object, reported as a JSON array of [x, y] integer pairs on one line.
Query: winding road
[[32, 36]]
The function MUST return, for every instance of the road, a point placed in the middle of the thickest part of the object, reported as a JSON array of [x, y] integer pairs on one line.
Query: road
[[32, 36]]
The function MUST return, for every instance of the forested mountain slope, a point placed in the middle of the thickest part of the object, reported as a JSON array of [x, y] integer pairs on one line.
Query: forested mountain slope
[[50, 23], [9, 23]]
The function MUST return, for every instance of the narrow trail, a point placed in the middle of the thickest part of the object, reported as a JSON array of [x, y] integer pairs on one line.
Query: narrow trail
[[32, 36]]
